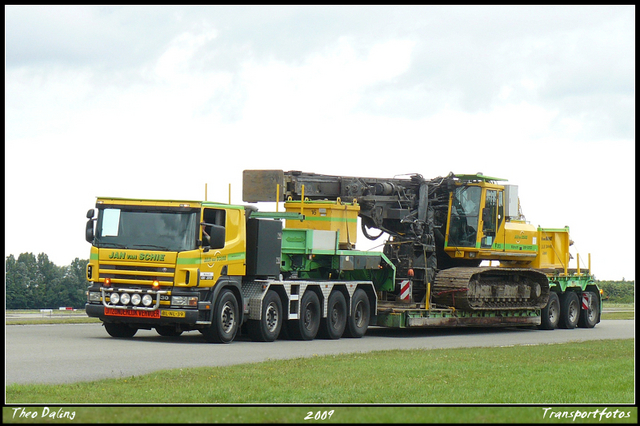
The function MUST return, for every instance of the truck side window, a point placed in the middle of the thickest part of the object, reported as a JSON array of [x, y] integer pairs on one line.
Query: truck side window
[[213, 234]]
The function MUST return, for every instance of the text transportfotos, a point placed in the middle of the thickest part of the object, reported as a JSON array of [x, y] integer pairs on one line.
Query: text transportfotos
[[595, 414]]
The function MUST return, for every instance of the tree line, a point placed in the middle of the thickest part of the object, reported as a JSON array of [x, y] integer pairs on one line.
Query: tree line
[[34, 282], [618, 291]]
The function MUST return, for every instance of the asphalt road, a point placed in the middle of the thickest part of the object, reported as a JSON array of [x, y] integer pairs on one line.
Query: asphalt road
[[84, 352]]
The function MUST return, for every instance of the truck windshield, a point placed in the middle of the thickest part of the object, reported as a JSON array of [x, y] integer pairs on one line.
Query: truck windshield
[[465, 208], [146, 230]]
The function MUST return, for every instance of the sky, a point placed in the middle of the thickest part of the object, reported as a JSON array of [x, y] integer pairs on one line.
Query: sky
[[159, 101]]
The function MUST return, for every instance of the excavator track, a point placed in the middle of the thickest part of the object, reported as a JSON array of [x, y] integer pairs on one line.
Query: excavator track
[[487, 288]]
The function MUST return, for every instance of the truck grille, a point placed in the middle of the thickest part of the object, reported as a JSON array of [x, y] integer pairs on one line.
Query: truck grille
[[143, 275]]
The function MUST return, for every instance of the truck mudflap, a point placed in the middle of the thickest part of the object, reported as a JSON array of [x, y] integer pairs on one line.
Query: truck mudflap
[[487, 288]]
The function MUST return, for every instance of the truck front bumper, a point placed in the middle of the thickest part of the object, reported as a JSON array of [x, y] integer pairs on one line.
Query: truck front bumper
[[160, 316]]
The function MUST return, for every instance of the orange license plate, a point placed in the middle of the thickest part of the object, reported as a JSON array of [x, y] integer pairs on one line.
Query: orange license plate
[[132, 313]]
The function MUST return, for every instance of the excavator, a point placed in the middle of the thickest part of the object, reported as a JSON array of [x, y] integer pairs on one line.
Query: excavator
[[460, 240]]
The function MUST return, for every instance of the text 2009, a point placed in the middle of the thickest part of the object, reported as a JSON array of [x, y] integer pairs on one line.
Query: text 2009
[[320, 415]]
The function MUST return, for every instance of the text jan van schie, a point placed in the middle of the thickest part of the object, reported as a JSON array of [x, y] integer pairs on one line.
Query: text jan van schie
[[23, 413]]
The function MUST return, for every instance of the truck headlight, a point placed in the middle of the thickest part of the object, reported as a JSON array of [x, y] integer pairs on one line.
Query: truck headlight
[[184, 300], [114, 298], [94, 296], [135, 299], [147, 300], [125, 298]]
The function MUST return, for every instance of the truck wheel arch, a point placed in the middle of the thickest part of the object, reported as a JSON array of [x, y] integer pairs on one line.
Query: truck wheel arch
[[232, 283]]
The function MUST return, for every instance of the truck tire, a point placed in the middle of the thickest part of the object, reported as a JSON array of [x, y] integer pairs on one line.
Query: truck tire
[[224, 327], [306, 328], [569, 310], [267, 329], [590, 317], [551, 313], [333, 326], [358, 322], [119, 330], [168, 331]]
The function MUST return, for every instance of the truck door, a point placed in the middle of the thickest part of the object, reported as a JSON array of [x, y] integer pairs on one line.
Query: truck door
[[223, 243], [489, 219], [464, 218], [213, 228]]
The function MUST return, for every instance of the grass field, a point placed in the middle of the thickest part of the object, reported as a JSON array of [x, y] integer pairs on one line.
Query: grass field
[[547, 375], [413, 381], [601, 373]]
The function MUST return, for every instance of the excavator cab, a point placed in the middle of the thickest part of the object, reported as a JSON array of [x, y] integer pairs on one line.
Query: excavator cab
[[464, 216], [476, 212], [484, 223]]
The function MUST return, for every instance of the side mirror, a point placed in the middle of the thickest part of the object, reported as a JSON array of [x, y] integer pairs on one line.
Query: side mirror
[[89, 232], [217, 236], [90, 213]]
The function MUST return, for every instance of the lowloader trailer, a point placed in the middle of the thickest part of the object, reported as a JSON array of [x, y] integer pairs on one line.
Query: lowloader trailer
[[221, 269]]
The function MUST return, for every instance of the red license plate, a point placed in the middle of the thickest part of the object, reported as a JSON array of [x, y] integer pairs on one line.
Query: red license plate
[[132, 313]]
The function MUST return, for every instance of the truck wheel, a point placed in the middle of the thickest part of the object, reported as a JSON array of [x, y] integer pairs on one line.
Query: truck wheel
[[307, 326], [168, 331], [550, 313], [268, 328], [569, 310], [225, 325], [360, 315], [589, 317], [332, 327], [119, 330]]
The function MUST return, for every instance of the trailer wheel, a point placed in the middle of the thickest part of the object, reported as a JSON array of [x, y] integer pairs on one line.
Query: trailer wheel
[[358, 322], [589, 317], [307, 326], [333, 326], [569, 310], [551, 313], [225, 325], [119, 330], [168, 331], [268, 328]]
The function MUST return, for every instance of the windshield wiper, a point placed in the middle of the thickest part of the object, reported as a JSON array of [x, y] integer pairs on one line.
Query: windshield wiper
[[153, 246], [110, 245]]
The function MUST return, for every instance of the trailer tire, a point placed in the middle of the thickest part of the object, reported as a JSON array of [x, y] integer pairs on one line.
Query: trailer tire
[[306, 328], [333, 326], [267, 329], [589, 317], [569, 310], [224, 327], [358, 322], [550, 315], [119, 330]]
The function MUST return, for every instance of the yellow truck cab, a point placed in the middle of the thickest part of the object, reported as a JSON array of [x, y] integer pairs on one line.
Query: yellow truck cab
[[159, 263]]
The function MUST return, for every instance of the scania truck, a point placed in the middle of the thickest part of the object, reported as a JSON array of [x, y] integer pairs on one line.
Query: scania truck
[[458, 252]]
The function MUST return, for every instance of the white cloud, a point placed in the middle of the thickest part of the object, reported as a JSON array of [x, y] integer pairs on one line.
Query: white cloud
[[169, 99]]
